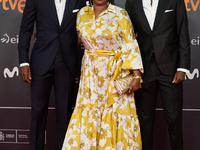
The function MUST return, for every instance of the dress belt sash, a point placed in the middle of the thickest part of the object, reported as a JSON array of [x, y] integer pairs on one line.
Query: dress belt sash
[[114, 68]]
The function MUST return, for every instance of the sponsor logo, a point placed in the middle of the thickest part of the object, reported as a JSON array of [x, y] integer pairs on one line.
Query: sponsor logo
[[9, 136], [192, 5], [14, 136], [7, 39], [195, 41], [13, 5], [192, 75], [10, 74], [1, 136], [23, 136]]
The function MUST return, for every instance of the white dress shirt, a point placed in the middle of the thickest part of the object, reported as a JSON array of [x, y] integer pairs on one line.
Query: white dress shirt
[[60, 8], [150, 12]]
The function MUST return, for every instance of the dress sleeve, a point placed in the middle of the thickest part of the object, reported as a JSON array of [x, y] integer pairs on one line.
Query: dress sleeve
[[131, 55]]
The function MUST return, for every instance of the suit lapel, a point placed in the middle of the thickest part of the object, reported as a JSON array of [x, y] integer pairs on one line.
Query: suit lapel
[[140, 12], [50, 6], [162, 5]]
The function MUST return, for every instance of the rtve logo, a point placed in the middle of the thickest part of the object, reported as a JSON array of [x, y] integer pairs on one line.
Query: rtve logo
[[192, 5], [13, 4], [9, 73], [192, 75], [7, 39]]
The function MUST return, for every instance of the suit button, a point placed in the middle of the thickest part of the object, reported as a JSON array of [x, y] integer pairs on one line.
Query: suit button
[[55, 47]]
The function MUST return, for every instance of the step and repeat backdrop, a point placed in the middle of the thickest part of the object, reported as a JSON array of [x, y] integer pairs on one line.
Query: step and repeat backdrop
[[15, 95]]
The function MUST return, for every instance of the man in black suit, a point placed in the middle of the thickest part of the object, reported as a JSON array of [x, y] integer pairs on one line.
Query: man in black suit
[[163, 38], [53, 63]]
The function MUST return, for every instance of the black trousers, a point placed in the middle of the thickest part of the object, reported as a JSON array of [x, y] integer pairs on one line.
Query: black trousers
[[172, 100], [41, 86]]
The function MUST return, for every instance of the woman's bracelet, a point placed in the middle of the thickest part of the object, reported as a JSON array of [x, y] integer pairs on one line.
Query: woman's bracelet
[[138, 77]]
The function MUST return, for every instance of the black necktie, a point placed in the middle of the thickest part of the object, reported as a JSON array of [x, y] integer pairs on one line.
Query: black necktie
[[151, 2]]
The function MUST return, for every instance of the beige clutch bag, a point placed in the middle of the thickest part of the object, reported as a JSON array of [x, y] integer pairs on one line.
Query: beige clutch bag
[[122, 84]]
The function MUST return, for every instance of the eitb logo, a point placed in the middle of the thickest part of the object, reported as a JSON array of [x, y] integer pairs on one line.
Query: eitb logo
[[7, 39]]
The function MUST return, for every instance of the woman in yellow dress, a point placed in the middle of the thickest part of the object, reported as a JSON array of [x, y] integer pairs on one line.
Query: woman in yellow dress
[[103, 119]]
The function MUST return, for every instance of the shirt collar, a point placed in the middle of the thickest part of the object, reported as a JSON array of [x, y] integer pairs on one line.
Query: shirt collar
[[111, 8]]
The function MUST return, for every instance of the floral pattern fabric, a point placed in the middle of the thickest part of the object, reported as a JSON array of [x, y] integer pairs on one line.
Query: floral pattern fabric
[[103, 119]]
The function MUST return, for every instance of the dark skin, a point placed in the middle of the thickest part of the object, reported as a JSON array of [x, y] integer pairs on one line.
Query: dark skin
[[25, 73], [135, 84], [99, 6], [179, 77]]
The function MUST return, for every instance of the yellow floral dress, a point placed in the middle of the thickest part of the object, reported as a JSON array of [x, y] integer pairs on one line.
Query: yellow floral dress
[[103, 119]]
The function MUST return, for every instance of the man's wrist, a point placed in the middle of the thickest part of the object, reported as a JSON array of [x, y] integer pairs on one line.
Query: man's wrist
[[183, 70], [24, 64]]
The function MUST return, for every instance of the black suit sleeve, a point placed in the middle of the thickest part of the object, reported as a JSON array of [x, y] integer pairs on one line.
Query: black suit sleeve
[[83, 3], [127, 8], [183, 35], [26, 31]]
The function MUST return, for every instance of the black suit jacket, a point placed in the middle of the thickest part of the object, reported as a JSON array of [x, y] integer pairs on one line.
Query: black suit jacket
[[50, 35], [169, 38]]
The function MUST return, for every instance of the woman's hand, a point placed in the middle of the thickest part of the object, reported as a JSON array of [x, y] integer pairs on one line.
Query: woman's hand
[[135, 85]]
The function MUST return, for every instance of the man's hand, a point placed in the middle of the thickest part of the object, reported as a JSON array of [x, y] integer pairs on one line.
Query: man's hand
[[179, 77], [25, 73]]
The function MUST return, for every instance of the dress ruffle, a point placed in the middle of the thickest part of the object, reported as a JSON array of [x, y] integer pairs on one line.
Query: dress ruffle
[[102, 129]]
